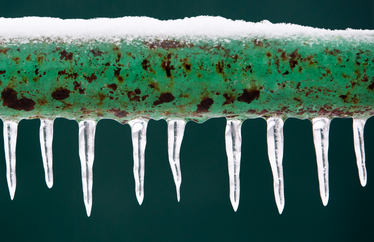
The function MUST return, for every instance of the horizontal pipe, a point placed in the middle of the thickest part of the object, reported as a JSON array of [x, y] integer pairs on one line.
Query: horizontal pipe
[[189, 77]]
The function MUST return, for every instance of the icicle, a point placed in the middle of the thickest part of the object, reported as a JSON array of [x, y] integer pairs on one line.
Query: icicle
[[321, 145], [10, 139], [275, 153], [139, 139], [233, 139], [86, 155], [358, 136], [175, 137], [46, 138]]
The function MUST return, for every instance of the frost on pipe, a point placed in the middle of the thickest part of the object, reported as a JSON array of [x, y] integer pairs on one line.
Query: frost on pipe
[[134, 69]]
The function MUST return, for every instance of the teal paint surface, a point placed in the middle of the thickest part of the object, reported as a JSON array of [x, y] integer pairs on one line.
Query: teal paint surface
[[204, 213], [194, 79]]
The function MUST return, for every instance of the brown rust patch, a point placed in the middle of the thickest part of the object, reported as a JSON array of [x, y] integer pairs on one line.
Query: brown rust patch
[[117, 72], [204, 105], [248, 68], [16, 60], [146, 64], [258, 43], [333, 52], [165, 97], [249, 95], [2, 72], [119, 56], [66, 55], [166, 66], [219, 67], [68, 75], [42, 102], [28, 57], [167, 44], [187, 66], [118, 112], [10, 100], [268, 54], [112, 86], [132, 95], [96, 52], [90, 78], [294, 58], [4, 51], [229, 98], [60, 93], [371, 86]]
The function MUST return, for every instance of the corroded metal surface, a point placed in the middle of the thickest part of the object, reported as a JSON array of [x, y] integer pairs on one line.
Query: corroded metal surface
[[195, 80]]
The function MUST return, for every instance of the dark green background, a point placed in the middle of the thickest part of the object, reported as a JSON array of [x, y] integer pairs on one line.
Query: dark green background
[[205, 212]]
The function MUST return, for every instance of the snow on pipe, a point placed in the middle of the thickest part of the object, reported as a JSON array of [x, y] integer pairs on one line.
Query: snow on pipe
[[136, 69]]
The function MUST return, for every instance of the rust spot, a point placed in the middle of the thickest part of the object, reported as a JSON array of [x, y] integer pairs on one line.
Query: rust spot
[[2, 72], [36, 71], [96, 52], [333, 52], [249, 67], [146, 64], [28, 58], [344, 97], [167, 67], [371, 86], [63, 73], [154, 85], [66, 55], [77, 86], [133, 96], [219, 67], [90, 78], [101, 98], [268, 54], [249, 95], [60, 93], [4, 51], [165, 97], [364, 79], [42, 102], [117, 71], [137, 91], [258, 43], [294, 59], [204, 105], [229, 98], [186, 65], [144, 97], [118, 113], [113, 86], [16, 59], [10, 100], [120, 79], [167, 44], [285, 73], [40, 58], [119, 55]]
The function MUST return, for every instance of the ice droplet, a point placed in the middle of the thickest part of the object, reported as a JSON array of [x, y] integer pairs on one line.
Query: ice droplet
[[321, 145], [10, 139], [233, 139], [358, 136], [139, 139], [86, 154], [275, 153], [46, 138], [175, 137]]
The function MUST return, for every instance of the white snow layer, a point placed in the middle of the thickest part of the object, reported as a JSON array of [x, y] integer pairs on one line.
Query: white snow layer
[[134, 27]]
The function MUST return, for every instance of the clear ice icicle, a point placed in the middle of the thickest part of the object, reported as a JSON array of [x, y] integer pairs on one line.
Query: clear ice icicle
[[233, 139], [10, 139], [46, 138], [358, 137], [275, 153], [321, 145], [86, 154], [175, 137], [139, 139]]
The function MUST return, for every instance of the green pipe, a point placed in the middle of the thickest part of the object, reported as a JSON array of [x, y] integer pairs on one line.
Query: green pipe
[[194, 79]]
